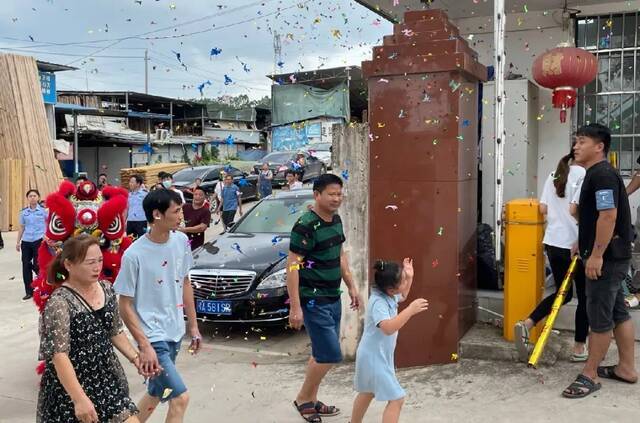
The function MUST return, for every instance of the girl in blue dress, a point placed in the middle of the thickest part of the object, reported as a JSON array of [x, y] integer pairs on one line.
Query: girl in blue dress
[[375, 371]]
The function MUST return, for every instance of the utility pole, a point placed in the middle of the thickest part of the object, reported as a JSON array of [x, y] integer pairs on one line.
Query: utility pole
[[146, 71], [277, 52], [500, 134]]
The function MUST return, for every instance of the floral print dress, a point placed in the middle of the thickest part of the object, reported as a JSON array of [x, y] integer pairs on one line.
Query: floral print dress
[[69, 325]]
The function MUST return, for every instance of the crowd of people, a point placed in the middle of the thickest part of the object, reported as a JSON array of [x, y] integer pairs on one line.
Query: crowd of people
[[587, 211]]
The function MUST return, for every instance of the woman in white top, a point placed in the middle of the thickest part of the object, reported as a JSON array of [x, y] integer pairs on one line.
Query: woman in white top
[[561, 193]]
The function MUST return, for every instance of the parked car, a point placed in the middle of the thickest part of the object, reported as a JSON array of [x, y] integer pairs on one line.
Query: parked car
[[323, 151], [280, 161], [210, 175], [241, 276]]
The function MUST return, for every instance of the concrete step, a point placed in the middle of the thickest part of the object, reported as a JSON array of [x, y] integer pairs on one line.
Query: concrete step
[[493, 301], [485, 342]]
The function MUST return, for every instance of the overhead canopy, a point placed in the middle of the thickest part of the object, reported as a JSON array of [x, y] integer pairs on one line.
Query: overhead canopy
[[457, 9], [349, 77], [53, 67], [299, 102]]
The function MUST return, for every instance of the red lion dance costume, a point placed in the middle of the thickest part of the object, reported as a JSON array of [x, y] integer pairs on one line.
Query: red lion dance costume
[[84, 209]]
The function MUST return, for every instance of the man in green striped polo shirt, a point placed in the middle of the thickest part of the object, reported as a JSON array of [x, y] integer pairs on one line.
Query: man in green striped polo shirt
[[316, 267]]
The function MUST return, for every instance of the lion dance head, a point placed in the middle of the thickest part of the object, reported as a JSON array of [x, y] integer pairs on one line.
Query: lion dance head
[[82, 209]]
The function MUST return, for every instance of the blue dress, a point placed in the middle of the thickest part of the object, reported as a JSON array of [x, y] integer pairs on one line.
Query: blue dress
[[375, 370]]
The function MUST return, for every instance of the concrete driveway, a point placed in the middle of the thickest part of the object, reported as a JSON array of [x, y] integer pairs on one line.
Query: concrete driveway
[[252, 375]]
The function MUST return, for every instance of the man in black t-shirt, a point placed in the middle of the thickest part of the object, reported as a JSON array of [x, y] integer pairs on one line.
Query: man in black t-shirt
[[605, 236]]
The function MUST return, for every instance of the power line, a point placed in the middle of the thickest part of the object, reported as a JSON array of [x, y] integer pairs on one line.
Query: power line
[[67, 54], [79, 44], [143, 34]]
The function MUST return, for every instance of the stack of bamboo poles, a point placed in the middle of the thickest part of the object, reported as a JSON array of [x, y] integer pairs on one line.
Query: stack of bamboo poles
[[24, 131], [149, 173], [11, 174]]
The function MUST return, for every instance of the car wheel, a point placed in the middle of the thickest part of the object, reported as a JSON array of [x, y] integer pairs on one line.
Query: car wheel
[[323, 170]]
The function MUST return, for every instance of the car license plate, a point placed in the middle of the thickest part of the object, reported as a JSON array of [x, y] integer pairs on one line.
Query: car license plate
[[213, 307]]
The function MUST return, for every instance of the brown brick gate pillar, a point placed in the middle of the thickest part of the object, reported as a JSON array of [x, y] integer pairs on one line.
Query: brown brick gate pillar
[[423, 117]]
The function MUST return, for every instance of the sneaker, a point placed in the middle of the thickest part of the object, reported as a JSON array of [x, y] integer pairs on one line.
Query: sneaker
[[631, 301], [521, 339], [27, 297]]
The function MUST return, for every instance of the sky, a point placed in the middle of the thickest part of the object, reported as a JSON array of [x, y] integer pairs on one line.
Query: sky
[[106, 40]]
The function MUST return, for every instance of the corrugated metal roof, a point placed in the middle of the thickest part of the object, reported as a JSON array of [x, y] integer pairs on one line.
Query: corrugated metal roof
[[92, 111]]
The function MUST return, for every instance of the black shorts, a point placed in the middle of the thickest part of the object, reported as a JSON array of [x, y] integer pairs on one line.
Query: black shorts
[[228, 216], [605, 297]]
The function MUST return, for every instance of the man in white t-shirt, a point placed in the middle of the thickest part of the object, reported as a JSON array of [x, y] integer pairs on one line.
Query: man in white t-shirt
[[155, 295], [292, 180], [166, 179]]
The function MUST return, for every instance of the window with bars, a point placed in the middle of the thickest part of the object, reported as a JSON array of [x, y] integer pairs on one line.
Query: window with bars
[[613, 97]]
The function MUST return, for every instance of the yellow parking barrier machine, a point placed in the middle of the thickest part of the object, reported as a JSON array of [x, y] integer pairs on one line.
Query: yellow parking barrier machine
[[523, 263]]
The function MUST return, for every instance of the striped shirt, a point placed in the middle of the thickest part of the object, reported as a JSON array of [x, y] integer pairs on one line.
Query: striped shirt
[[319, 245]]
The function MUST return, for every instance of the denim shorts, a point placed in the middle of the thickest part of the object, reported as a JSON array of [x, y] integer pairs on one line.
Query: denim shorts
[[605, 297], [169, 379], [322, 321]]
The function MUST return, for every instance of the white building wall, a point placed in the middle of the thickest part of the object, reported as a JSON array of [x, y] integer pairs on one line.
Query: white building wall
[[528, 35]]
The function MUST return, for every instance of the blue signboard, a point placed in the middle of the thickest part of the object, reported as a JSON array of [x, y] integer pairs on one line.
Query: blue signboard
[[288, 137], [48, 86]]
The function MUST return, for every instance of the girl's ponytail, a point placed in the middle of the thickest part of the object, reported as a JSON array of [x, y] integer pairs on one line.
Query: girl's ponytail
[[561, 175]]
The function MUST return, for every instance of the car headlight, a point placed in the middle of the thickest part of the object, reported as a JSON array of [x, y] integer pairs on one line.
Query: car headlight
[[274, 280]]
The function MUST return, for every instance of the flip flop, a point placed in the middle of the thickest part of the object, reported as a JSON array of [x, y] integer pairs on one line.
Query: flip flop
[[609, 372], [521, 340], [326, 410], [581, 387], [308, 412]]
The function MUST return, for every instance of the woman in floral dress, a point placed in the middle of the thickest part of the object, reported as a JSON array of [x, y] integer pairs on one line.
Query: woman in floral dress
[[83, 380]]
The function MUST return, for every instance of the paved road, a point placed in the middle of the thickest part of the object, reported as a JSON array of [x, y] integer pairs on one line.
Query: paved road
[[247, 375]]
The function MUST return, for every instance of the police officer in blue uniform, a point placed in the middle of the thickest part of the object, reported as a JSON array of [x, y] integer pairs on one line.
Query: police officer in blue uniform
[[30, 233], [136, 219]]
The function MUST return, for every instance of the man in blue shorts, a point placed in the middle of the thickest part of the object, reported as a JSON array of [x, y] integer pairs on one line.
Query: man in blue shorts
[[316, 267], [155, 294]]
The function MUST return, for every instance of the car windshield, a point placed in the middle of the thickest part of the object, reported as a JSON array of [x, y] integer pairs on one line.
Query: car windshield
[[279, 157], [189, 174], [325, 146], [276, 215]]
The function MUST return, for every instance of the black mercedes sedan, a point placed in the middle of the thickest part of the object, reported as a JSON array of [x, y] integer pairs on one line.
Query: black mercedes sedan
[[241, 276]]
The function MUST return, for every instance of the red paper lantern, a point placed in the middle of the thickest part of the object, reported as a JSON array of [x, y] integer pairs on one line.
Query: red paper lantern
[[564, 70]]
